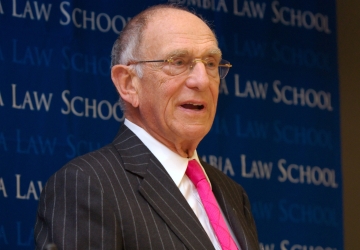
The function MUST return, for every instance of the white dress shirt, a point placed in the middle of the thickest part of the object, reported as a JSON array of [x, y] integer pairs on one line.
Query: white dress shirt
[[176, 166]]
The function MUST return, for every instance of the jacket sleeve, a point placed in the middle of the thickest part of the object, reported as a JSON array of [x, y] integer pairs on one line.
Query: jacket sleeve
[[73, 213]]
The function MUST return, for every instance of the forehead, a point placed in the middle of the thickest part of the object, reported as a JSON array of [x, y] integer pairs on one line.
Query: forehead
[[176, 30]]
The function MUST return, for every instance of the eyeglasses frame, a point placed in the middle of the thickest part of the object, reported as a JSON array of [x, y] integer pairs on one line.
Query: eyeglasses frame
[[225, 63]]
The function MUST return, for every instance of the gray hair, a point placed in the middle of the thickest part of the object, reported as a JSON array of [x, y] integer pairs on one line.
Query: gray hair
[[126, 46]]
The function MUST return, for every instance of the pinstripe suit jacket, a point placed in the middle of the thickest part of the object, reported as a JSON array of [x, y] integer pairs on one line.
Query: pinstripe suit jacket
[[121, 197]]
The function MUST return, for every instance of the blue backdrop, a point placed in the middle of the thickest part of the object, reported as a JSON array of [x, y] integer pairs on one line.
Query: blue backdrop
[[276, 131]]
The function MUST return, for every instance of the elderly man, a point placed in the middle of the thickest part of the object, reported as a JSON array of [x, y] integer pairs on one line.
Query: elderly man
[[148, 189]]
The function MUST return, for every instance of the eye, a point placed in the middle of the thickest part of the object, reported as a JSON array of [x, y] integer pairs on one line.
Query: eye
[[211, 63], [178, 62]]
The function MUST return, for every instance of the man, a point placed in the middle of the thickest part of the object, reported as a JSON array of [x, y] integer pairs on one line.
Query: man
[[134, 193]]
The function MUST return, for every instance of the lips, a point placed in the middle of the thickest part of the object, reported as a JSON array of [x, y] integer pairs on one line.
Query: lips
[[192, 106]]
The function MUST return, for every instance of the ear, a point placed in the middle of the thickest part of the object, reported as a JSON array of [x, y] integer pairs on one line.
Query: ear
[[125, 83]]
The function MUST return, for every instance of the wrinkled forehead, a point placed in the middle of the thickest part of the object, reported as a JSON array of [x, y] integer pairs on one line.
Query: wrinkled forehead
[[174, 30]]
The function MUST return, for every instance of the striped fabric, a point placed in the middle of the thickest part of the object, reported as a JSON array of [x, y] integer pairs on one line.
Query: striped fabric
[[120, 197]]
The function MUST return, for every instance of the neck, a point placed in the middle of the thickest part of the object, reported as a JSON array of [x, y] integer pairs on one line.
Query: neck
[[184, 148], [187, 152]]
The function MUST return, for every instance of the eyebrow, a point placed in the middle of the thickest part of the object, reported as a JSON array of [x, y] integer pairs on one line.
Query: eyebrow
[[184, 52], [215, 52], [179, 52]]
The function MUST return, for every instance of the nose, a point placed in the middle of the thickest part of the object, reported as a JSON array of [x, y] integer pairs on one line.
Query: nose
[[198, 77]]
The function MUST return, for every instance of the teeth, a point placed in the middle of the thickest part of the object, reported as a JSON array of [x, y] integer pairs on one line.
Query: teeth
[[190, 105]]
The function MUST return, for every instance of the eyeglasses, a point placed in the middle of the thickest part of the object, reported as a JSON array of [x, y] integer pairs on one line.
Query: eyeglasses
[[177, 65]]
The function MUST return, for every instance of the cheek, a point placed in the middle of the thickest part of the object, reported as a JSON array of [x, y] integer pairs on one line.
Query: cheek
[[150, 88], [215, 94], [157, 97]]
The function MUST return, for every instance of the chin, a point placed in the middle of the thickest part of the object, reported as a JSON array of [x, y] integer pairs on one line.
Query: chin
[[195, 133]]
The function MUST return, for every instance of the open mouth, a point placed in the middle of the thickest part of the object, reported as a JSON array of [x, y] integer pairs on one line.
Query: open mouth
[[193, 106]]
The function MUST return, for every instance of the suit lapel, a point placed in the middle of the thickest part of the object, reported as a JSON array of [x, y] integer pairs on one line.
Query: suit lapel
[[160, 191], [236, 223], [231, 210]]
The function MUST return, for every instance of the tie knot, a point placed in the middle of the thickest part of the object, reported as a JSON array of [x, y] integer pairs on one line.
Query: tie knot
[[195, 172]]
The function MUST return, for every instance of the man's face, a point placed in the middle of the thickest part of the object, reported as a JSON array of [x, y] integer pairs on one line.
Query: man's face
[[178, 110]]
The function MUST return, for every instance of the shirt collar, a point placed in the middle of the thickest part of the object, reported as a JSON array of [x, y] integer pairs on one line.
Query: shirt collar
[[173, 163]]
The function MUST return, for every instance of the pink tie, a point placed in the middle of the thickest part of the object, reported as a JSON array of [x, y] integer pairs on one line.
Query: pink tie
[[197, 176]]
